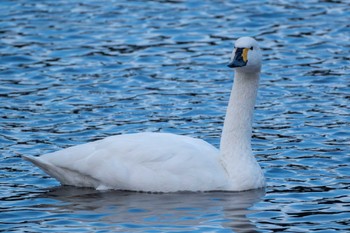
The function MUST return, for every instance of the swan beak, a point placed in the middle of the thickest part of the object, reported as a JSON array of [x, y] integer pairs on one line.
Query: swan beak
[[240, 59]]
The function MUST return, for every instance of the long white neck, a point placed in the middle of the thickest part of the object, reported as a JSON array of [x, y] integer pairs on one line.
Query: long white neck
[[235, 146]]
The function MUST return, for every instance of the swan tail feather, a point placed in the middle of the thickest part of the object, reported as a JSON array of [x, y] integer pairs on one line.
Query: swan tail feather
[[63, 175]]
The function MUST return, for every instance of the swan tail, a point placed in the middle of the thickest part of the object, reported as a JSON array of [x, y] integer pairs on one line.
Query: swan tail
[[63, 175]]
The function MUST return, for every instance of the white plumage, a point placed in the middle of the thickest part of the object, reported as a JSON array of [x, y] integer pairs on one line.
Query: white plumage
[[157, 162], [162, 162]]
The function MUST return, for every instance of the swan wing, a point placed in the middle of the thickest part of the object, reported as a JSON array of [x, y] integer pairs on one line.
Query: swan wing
[[155, 162]]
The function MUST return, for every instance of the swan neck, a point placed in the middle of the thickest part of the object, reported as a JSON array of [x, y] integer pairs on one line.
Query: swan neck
[[237, 130]]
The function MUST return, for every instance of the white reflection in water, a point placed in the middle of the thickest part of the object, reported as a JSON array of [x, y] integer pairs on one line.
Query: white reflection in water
[[118, 210]]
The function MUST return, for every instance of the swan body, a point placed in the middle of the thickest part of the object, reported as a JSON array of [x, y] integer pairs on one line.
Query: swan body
[[163, 162], [155, 162]]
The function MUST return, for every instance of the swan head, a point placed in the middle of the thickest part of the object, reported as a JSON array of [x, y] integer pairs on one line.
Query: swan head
[[246, 55]]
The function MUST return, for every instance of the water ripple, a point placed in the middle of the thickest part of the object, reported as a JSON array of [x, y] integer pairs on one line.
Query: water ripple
[[73, 72]]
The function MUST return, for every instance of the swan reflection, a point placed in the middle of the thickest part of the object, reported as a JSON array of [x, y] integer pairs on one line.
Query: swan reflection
[[132, 211]]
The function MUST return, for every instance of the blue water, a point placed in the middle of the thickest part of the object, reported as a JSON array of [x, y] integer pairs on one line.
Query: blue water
[[76, 71]]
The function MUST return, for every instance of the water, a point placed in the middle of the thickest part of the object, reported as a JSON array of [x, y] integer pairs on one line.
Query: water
[[73, 72]]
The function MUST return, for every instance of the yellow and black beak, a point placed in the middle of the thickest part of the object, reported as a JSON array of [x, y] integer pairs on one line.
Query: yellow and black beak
[[240, 59]]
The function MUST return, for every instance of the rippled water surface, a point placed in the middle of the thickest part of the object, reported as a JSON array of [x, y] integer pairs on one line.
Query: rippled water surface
[[76, 71]]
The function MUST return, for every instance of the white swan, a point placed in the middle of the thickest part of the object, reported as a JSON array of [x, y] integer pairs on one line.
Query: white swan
[[162, 162]]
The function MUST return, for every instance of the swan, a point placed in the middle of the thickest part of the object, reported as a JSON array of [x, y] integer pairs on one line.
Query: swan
[[164, 162]]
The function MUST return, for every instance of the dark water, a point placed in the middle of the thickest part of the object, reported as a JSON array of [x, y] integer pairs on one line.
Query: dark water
[[77, 71]]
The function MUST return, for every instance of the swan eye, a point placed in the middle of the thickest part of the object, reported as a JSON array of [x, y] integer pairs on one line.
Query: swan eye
[[251, 48]]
